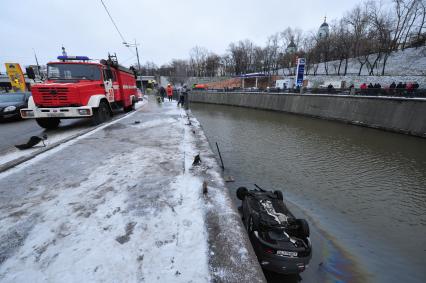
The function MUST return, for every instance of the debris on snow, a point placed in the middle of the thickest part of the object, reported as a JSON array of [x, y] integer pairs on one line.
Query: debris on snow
[[197, 160]]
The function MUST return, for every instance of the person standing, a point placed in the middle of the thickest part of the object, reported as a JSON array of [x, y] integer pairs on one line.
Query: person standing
[[169, 92], [363, 88], [352, 89], [183, 93], [392, 87], [162, 93]]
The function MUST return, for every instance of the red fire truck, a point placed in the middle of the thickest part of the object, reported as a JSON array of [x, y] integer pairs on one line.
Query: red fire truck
[[77, 87]]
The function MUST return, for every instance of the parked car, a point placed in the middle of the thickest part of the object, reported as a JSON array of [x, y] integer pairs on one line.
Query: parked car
[[11, 103], [281, 242]]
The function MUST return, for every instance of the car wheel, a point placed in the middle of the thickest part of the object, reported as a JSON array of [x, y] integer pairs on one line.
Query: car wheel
[[279, 195], [48, 123], [241, 193], [303, 230]]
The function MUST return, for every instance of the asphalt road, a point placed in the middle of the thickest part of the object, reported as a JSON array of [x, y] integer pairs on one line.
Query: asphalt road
[[19, 131]]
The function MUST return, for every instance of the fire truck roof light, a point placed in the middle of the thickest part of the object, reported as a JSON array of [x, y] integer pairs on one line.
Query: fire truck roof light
[[80, 58]]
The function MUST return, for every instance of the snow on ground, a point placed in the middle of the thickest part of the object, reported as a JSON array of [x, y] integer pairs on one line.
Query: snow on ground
[[407, 65], [137, 216]]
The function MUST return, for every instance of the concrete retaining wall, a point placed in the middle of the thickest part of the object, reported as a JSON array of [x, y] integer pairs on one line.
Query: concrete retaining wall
[[393, 114]]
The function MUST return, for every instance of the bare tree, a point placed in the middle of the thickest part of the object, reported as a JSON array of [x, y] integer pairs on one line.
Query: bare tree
[[242, 55], [289, 35], [212, 65], [271, 54], [357, 21], [179, 71], [341, 41], [369, 33], [198, 56], [421, 22]]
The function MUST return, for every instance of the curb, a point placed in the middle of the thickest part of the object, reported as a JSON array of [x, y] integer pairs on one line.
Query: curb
[[10, 164]]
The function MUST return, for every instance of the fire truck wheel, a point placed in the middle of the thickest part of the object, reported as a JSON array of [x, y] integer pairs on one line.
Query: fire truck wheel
[[129, 108], [100, 114], [48, 123]]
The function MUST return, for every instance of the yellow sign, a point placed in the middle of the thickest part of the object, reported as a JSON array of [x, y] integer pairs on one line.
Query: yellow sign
[[16, 76]]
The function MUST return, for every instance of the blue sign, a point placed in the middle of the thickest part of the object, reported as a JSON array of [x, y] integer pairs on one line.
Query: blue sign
[[300, 71]]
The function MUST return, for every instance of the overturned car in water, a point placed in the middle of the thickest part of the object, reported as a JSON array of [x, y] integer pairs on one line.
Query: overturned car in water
[[281, 242]]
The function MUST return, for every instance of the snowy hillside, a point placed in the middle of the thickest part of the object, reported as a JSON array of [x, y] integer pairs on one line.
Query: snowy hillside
[[408, 62]]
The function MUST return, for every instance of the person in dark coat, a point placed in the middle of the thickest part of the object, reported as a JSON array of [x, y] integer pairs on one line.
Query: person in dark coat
[[352, 89], [415, 85], [162, 93], [400, 88], [392, 87]]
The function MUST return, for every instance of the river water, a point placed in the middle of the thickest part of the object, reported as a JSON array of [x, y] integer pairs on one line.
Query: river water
[[363, 189]]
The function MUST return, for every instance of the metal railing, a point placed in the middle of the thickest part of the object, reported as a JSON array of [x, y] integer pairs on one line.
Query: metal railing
[[403, 93]]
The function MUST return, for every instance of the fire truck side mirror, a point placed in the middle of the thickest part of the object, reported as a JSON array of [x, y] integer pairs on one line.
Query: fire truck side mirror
[[30, 73]]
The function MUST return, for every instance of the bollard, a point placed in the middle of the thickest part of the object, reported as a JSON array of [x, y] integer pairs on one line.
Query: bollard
[[205, 188], [186, 102]]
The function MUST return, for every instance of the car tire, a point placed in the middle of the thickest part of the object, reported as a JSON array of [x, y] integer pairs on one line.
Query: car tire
[[279, 195], [303, 230], [48, 123], [101, 114], [241, 193]]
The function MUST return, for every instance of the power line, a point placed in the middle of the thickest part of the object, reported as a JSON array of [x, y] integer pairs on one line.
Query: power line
[[115, 25], [128, 59], [113, 22]]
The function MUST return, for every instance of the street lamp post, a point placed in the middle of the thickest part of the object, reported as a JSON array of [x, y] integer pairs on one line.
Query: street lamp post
[[137, 56]]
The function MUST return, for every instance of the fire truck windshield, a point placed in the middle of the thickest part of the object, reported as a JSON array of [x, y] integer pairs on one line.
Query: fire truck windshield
[[73, 72]]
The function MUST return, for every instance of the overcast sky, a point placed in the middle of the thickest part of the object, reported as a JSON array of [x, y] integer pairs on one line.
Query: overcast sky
[[166, 29]]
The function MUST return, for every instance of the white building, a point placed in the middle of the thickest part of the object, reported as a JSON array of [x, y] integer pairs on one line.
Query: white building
[[324, 30], [291, 48]]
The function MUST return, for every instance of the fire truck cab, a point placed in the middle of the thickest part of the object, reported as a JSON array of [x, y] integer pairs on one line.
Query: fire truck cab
[[79, 88]]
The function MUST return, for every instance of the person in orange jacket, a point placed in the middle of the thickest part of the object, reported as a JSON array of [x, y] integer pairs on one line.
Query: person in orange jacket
[[169, 91]]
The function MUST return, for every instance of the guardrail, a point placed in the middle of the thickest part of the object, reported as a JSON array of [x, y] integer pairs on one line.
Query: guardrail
[[421, 93]]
